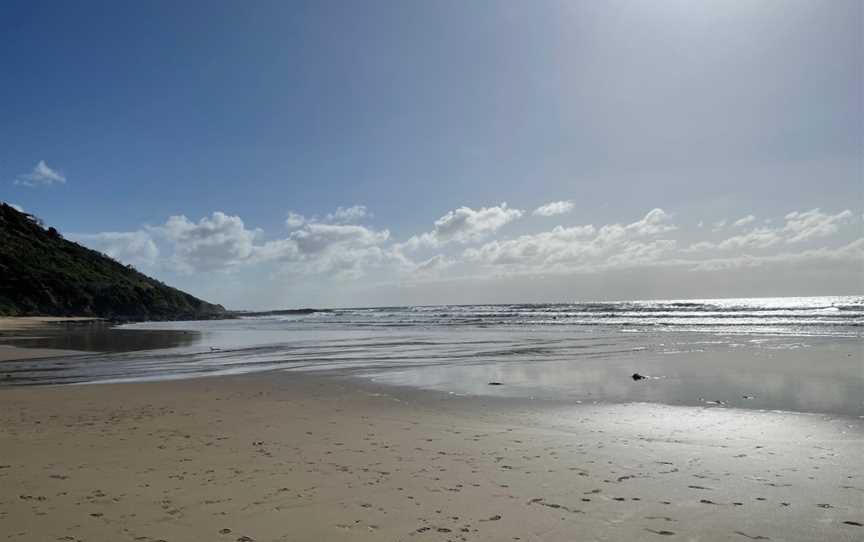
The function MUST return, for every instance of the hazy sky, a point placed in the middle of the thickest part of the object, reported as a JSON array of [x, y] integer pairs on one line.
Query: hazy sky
[[269, 154]]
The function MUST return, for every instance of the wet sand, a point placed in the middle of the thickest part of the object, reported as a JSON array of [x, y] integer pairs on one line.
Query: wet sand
[[37, 337], [289, 456], [17, 328], [17, 353]]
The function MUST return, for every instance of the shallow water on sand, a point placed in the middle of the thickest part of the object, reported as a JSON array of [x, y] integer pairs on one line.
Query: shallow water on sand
[[798, 354], [98, 336]]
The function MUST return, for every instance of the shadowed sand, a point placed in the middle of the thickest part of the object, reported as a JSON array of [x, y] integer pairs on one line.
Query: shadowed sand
[[281, 456]]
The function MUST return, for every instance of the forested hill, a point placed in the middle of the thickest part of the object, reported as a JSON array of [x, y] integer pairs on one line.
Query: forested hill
[[41, 273]]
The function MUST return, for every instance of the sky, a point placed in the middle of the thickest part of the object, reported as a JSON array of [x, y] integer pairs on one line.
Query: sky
[[285, 154]]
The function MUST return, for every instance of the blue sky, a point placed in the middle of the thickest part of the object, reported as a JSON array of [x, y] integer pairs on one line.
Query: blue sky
[[709, 111]]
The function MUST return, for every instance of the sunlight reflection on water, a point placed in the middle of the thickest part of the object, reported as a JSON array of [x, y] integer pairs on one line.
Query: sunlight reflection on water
[[815, 370]]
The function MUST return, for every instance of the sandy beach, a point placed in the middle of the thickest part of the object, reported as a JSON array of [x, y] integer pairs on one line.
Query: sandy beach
[[289, 456]]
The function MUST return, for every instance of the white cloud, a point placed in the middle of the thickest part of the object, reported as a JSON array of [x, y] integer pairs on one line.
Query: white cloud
[[741, 222], [343, 215], [294, 220], [655, 222], [315, 252], [213, 243], [136, 248], [849, 254], [799, 227], [554, 208], [580, 247], [223, 242], [344, 250], [465, 225], [316, 238], [434, 265], [42, 175], [758, 238], [719, 225], [803, 226], [699, 247]]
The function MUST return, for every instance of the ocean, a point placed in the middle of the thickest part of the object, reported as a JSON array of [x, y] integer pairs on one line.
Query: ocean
[[790, 353]]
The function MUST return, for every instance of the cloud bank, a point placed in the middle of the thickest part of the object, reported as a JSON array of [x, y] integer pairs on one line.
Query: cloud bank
[[467, 244]]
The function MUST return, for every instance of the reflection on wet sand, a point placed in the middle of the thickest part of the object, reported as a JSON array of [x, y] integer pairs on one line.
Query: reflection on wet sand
[[805, 374], [822, 378], [98, 336]]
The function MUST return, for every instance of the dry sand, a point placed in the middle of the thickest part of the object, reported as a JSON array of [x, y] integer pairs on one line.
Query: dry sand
[[281, 457]]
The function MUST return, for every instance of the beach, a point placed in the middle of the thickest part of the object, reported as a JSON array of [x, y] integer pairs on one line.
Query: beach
[[291, 456], [711, 420], [450, 271], [446, 271]]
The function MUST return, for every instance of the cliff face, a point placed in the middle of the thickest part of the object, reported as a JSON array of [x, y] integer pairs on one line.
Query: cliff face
[[43, 274]]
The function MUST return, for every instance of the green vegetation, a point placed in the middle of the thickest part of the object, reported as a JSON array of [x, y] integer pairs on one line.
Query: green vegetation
[[43, 274]]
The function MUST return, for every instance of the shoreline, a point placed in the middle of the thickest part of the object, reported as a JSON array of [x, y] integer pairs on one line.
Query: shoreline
[[300, 456], [821, 375]]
